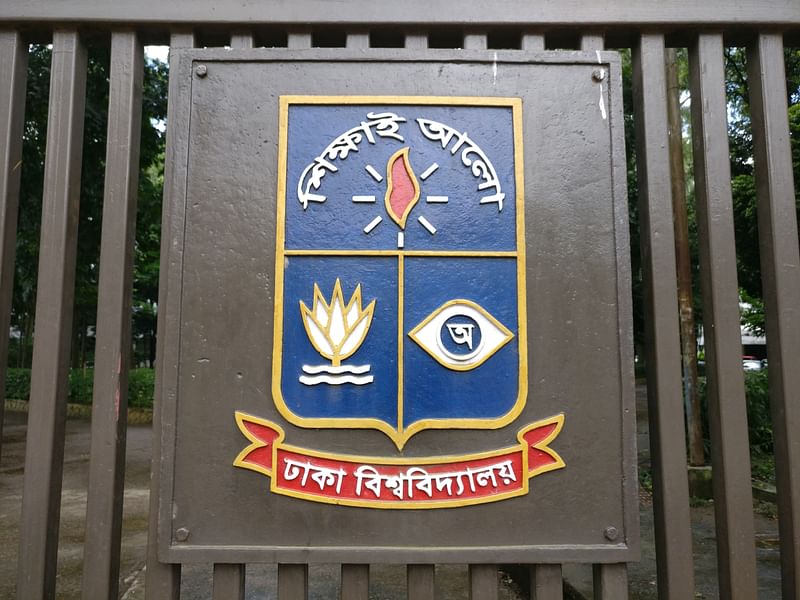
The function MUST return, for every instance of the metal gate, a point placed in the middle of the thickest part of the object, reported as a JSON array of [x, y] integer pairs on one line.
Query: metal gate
[[647, 29]]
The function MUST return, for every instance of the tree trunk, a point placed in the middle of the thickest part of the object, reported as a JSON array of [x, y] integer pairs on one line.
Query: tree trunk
[[684, 264]]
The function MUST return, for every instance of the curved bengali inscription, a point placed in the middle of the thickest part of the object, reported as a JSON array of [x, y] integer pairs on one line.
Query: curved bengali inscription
[[471, 156], [382, 125]]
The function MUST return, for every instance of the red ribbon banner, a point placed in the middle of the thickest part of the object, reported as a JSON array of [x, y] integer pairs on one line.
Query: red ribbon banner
[[385, 482]]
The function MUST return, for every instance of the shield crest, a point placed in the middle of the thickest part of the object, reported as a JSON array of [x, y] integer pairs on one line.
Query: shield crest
[[400, 264]]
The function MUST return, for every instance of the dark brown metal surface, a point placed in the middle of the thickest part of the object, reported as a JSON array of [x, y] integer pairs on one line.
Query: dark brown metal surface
[[672, 13], [780, 273], [420, 582], [355, 582], [13, 74], [416, 41], [532, 42], [596, 42], [571, 20], [163, 580], [611, 582], [242, 39], [546, 583], [229, 582], [234, 93], [292, 582], [112, 354], [730, 456], [664, 396], [483, 584], [299, 39], [44, 454]]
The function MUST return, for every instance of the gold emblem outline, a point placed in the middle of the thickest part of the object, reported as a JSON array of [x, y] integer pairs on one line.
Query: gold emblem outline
[[400, 434]]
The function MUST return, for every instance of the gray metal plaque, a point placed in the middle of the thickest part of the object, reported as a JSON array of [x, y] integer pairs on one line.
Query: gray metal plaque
[[397, 309]]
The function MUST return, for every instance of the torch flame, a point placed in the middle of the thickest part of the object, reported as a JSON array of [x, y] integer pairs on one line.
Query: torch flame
[[402, 189], [336, 330]]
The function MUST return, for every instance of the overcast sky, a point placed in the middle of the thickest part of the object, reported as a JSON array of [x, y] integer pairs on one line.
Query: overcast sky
[[159, 52]]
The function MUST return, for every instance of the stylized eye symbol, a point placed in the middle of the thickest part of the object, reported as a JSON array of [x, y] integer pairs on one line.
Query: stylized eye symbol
[[460, 335]]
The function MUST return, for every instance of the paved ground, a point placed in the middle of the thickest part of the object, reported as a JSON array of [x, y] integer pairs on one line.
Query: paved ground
[[387, 583]]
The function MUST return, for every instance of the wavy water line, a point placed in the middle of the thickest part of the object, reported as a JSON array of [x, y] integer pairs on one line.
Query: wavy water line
[[331, 370], [336, 379]]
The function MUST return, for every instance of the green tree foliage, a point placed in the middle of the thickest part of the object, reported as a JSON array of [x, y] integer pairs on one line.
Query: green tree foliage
[[742, 167], [91, 202], [742, 173]]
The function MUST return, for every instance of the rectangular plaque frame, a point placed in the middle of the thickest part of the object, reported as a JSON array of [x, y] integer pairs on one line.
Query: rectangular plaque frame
[[221, 191]]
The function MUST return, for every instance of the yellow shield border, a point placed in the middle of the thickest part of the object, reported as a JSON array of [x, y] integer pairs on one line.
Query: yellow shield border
[[401, 434]]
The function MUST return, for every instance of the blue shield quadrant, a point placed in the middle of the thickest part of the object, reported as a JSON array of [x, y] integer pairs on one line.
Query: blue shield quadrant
[[400, 291]]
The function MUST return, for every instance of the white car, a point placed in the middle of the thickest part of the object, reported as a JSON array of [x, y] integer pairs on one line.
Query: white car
[[751, 363]]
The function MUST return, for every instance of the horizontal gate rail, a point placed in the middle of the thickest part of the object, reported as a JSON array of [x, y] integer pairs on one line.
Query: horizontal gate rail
[[649, 27], [672, 13]]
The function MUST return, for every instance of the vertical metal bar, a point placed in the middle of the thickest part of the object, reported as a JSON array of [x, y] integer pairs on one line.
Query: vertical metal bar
[[355, 582], [546, 582], [292, 582], [44, 455], [163, 580], [483, 583], [13, 75], [112, 355], [228, 582], [420, 582], [664, 393], [611, 581], [533, 42], [242, 39], [730, 458], [357, 39], [592, 41], [780, 275], [475, 41], [298, 39], [416, 40]]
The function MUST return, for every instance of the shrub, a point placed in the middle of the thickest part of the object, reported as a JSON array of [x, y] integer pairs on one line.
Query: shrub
[[81, 383], [759, 422], [758, 414], [140, 388], [18, 384], [80, 386]]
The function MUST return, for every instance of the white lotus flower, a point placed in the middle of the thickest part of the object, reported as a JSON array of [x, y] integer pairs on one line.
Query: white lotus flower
[[337, 330]]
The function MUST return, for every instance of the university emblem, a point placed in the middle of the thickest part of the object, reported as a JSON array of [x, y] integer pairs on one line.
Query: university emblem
[[400, 299]]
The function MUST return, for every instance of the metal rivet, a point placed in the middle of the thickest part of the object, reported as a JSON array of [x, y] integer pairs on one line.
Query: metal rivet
[[598, 75], [182, 534], [611, 533], [201, 71]]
